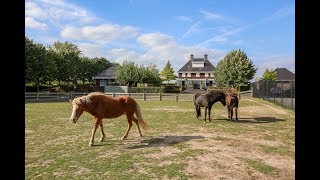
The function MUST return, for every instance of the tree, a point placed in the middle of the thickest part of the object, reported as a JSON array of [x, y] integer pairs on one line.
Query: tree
[[67, 60], [269, 75], [127, 73], [234, 69], [168, 73], [150, 74], [39, 68]]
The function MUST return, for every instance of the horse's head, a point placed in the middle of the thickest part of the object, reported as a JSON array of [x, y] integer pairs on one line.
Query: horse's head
[[223, 99], [77, 108]]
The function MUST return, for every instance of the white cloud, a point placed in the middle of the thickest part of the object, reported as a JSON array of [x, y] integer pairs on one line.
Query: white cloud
[[34, 10], [183, 18], [102, 33], [33, 24], [210, 15], [273, 62], [282, 13], [57, 13], [92, 50], [155, 39], [222, 37], [193, 29]]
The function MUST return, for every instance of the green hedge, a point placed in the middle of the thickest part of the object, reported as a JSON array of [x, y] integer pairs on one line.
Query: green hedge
[[146, 89]]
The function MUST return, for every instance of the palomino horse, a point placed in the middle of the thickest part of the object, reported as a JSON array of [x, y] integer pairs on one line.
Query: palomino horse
[[101, 106], [207, 100], [232, 103]]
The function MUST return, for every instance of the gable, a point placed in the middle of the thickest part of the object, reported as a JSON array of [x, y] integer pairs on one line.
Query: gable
[[188, 66], [284, 74]]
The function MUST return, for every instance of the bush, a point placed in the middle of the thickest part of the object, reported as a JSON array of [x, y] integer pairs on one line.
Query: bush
[[172, 89], [146, 89]]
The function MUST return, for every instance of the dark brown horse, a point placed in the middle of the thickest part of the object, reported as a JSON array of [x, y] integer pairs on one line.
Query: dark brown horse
[[207, 100], [101, 106], [232, 103]]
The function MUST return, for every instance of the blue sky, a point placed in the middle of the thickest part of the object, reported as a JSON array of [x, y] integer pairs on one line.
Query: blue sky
[[155, 31]]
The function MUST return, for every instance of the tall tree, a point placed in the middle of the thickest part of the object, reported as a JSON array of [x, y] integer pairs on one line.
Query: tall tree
[[39, 68], [150, 74], [269, 75], [234, 69], [168, 73], [127, 73], [67, 60]]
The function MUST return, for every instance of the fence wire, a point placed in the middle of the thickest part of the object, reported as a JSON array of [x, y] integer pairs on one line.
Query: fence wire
[[278, 92]]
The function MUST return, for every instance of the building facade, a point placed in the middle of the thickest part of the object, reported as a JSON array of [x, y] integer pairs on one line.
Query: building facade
[[196, 73]]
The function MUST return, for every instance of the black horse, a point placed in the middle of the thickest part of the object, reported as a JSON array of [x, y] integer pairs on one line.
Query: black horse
[[207, 100]]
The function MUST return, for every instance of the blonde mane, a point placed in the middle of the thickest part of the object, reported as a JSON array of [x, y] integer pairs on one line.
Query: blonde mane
[[82, 100]]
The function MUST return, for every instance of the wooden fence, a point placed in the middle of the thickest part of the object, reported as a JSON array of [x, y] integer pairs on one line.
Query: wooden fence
[[61, 97]]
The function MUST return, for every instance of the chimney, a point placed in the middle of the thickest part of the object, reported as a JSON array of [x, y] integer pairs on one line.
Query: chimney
[[206, 57], [191, 57]]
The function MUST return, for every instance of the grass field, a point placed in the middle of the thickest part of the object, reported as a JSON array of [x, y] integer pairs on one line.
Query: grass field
[[177, 146]]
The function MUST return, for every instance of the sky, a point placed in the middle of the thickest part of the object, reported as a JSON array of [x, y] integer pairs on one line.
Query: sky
[[151, 32]]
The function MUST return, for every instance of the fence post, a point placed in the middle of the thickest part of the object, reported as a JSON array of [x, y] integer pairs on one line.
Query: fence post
[[37, 96], [57, 96], [177, 97], [281, 93], [144, 96], [160, 96], [113, 94], [268, 90], [291, 94]]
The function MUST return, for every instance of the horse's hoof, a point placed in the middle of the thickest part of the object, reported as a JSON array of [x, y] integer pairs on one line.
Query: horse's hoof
[[91, 144], [124, 138], [101, 139]]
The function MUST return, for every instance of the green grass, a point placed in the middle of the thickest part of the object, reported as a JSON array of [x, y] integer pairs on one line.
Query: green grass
[[175, 142], [260, 166]]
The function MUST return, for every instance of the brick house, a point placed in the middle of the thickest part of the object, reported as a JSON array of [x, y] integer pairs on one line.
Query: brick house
[[197, 73], [284, 78]]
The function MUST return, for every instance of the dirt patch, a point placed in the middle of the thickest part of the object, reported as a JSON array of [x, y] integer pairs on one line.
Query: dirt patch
[[171, 109]]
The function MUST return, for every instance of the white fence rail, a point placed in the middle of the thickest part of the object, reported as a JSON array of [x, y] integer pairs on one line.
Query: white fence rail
[[60, 97]]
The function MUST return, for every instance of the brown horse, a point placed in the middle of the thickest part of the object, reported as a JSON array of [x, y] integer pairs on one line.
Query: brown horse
[[101, 106], [232, 102]]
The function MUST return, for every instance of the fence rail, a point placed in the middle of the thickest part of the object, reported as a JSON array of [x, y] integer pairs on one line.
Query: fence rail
[[61, 97]]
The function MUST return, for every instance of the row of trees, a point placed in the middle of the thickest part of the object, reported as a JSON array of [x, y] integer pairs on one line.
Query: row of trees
[[61, 62]]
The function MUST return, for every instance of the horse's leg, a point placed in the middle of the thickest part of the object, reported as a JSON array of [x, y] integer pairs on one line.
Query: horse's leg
[[198, 110], [91, 143], [209, 109], [228, 108], [129, 118], [236, 111], [205, 114], [135, 120], [231, 113], [102, 131]]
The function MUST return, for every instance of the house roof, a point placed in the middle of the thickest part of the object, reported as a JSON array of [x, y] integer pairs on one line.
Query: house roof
[[284, 74], [188, 66], [108, 73]]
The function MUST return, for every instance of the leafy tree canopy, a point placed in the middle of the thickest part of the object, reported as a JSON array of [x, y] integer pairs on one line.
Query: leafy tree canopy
[[269, 75], [234, 69]]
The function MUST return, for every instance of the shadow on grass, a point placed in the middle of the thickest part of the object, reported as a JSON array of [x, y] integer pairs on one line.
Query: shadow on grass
[[257, 120], [164, 141]]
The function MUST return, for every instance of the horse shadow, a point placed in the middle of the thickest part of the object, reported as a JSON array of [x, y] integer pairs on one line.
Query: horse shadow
[[164, 141], [256, 120]]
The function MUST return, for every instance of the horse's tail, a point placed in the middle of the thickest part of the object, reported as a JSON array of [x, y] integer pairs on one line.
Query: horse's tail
[[141, 122]]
